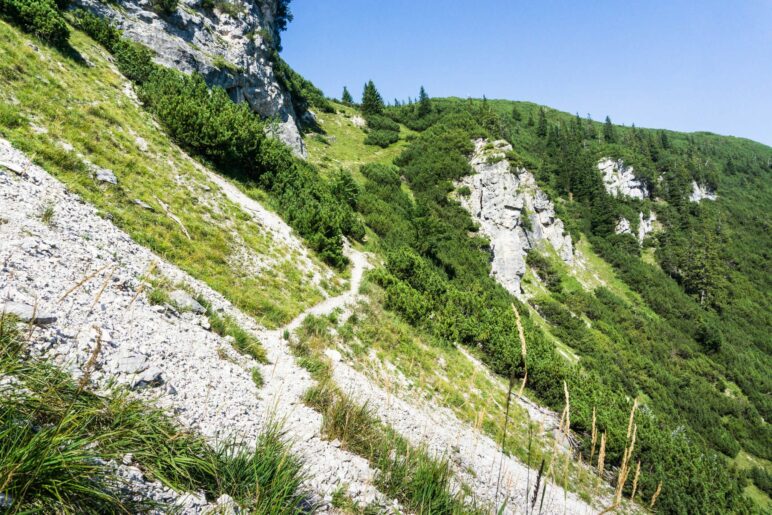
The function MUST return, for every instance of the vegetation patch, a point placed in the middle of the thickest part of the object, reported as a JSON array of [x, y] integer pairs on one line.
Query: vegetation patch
[[60, 445], [107, 132]]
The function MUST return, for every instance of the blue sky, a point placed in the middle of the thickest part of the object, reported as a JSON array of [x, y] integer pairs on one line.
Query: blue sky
[[683, 65]]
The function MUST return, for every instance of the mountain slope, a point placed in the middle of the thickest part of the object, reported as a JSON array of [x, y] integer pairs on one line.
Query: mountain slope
[[543, 289]]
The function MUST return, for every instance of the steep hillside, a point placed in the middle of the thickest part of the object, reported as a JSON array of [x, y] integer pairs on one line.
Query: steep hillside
[[449, 306]]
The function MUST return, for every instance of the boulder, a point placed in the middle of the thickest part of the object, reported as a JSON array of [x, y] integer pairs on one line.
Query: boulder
[[701, 192], [152, 377]]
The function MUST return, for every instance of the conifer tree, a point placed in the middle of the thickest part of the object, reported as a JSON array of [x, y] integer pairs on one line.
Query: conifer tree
[[424, 103], [346, 98], [664, 140], [609, 132], [516, 116], [541, 129], [372, 102]]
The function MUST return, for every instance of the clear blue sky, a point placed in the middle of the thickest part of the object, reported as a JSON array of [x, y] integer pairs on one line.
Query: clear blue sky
[[683, 65]]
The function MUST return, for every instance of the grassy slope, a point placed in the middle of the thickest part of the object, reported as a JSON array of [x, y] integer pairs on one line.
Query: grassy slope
[[342, 144], [49, 101]]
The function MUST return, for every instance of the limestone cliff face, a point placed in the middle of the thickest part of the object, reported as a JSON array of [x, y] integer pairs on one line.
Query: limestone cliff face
[[513, 212], [232, 50], [701, 192], [620, 180]]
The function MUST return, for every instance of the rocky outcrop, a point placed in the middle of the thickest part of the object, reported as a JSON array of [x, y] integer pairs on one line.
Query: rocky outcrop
[[645, 226], [232, 50], [701, 192], [620, 180], [513, 212]]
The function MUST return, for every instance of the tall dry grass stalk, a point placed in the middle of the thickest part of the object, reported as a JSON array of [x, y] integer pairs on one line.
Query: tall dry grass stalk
[[566, 411], [624, 471], [523, 353], [602, 454], [92, 360], [635, 480], [523, 348], [594, 436], [83, 281], [655, 496]]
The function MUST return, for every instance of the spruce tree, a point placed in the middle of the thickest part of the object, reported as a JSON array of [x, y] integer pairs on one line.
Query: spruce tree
[[541, 129], [516, 116], [424, 103], [346, 98], [664, 140], [372, 102], [609, 132]]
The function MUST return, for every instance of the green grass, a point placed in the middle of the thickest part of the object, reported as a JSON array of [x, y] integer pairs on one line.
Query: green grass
[[342, 146], [57, 439], [85, 118], [422, 483], [409, 363], [759, 498]]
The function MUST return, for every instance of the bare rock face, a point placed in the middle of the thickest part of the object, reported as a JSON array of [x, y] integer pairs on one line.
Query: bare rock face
[[619, 179], [512, 211], [701, 192], [232, 50], [645, 226]]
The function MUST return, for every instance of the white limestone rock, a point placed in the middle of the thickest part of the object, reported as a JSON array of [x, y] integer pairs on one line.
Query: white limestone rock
[[499, 200], [27, 313], [620, 180], [186, 302], [646, 225], [196, 39], [623, 226], [701, 192]]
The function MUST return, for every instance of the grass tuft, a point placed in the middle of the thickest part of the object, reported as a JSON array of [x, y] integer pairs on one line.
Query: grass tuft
[[60, 443]]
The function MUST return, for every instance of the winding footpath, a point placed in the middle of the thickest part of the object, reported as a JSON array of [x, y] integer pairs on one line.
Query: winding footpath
[[475, 457]]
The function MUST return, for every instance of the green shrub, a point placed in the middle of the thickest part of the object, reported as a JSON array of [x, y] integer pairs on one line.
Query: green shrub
[[135, 61], [57, 440], [39, 17], [381, 123], [545, 270], [381, 138], [164, 6], [303, 93], [98, 28]]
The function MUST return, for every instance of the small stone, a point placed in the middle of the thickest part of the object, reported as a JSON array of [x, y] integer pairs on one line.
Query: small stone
[[104, 175], [143, 205], [6, 501], [152, 377], [27, 313], [185, 302]]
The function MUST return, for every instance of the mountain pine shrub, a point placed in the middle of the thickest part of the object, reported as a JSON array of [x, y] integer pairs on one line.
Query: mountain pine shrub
[[39, 17]]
